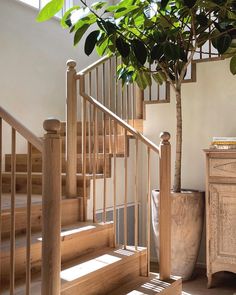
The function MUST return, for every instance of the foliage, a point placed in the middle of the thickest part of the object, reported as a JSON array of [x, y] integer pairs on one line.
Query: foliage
[[164, 34]]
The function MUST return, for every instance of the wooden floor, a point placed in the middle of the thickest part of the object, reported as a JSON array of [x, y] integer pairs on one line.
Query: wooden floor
[[225, 283], [21, 200]]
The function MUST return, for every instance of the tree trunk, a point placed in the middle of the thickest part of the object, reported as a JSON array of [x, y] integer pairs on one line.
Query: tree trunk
[[178, 156]]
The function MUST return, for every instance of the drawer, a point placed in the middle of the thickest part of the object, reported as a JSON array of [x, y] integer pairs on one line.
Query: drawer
[[222, 167]]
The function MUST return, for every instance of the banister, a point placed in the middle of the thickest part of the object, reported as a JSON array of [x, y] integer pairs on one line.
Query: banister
[[92, 66], [21, 129], [121, 122]]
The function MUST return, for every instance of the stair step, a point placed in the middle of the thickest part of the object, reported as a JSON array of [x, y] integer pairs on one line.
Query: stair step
[[21, 163], [67, 205], [151, 285], [21, 182], [96, 273], [76, 240]]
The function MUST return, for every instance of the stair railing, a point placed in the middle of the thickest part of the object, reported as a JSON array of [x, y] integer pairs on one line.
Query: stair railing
[[50, 147], [100, 121]]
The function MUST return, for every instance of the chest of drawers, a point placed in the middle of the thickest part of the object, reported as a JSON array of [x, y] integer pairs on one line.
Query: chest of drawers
[[220, 211]]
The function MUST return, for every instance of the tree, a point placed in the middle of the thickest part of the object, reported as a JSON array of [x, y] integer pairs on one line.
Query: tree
[[164, 34]]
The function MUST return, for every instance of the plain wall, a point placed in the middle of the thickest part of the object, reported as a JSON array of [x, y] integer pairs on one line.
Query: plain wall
[[209, 107], [33, 64]]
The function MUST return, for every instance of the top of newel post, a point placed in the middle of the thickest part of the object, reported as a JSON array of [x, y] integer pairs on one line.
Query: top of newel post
[[165, 137], [71, 64], [52, 125]]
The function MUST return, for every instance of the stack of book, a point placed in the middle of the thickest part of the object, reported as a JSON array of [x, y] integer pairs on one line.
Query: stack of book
[[225, 143]]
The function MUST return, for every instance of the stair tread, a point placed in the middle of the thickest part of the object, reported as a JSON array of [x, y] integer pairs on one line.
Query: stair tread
[[151, 285], [85, 268], [67, 232]]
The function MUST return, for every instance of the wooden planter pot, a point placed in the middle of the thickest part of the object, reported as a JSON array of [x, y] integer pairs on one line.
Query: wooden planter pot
[[187, 226]]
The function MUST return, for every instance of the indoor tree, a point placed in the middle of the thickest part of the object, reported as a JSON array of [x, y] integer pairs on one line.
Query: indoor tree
[[157, 40]]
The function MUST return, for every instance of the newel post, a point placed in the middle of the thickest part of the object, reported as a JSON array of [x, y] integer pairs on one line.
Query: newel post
[[165, 207], [71, 130], [139, 94], [51, 207]]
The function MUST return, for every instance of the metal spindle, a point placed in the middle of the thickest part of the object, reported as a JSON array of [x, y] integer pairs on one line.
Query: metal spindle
[[28, 228], [148, 211], [126, 189], [13, 190], [95, 156], [136, 197]]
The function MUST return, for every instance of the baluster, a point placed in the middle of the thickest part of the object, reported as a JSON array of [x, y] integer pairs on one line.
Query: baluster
[[158, 92], [148, 211], [51, 245], [126, 189], [127, 103], [103, 86], [28, 228], [84, 153], [0, 194], [136, 219], [114, 180], [97, 84], [13, 191], [95, 156], [165, 207], [90, 122], [139, 102], [110, 94], [116, 90], [104, 169], [71, 131], [133, 102], [150, 87]]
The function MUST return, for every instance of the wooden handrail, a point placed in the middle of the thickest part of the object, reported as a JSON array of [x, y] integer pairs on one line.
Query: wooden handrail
[[93, 66], [21, 129], [121, 122]]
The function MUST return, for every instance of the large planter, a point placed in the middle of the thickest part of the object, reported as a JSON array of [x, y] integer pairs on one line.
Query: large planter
[[187, 225]]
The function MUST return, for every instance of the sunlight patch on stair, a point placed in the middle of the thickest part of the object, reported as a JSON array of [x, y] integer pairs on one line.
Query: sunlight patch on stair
[[76, 230], [87, 267], [124, 252], [136, 293]]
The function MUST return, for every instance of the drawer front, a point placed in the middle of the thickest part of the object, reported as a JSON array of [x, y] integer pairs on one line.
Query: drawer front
[[222, 167]]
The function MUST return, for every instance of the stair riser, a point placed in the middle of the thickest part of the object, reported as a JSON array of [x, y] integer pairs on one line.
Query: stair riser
[[108, 278], [21, 185], [71, 247], [21, 164], [69, 205]]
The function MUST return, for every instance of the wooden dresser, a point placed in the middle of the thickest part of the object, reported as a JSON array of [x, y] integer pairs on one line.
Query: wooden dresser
[[220, 211]]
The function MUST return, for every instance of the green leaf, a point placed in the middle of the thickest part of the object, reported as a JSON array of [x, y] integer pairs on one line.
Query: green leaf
[[222, 43], [140, 51], [98, 5], [124, 10], [49, 10], [122, 47], [171, 51], [159, 77], [101, 46], [202, 19], [190, 3], [164, 4], [233, 65], [157, 52], [79, 33], [65, 21], [90, 42]]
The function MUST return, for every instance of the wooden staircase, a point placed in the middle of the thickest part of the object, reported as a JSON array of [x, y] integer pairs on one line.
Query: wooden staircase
[[48, 246]]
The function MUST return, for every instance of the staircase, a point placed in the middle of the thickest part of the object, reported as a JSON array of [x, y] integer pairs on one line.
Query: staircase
[[48, 243]]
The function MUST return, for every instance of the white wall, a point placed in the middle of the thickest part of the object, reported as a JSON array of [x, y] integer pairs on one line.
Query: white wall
[[33, 64], [208, 110]]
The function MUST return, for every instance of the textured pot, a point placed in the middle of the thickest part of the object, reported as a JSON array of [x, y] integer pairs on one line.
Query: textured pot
[[187, 225]]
